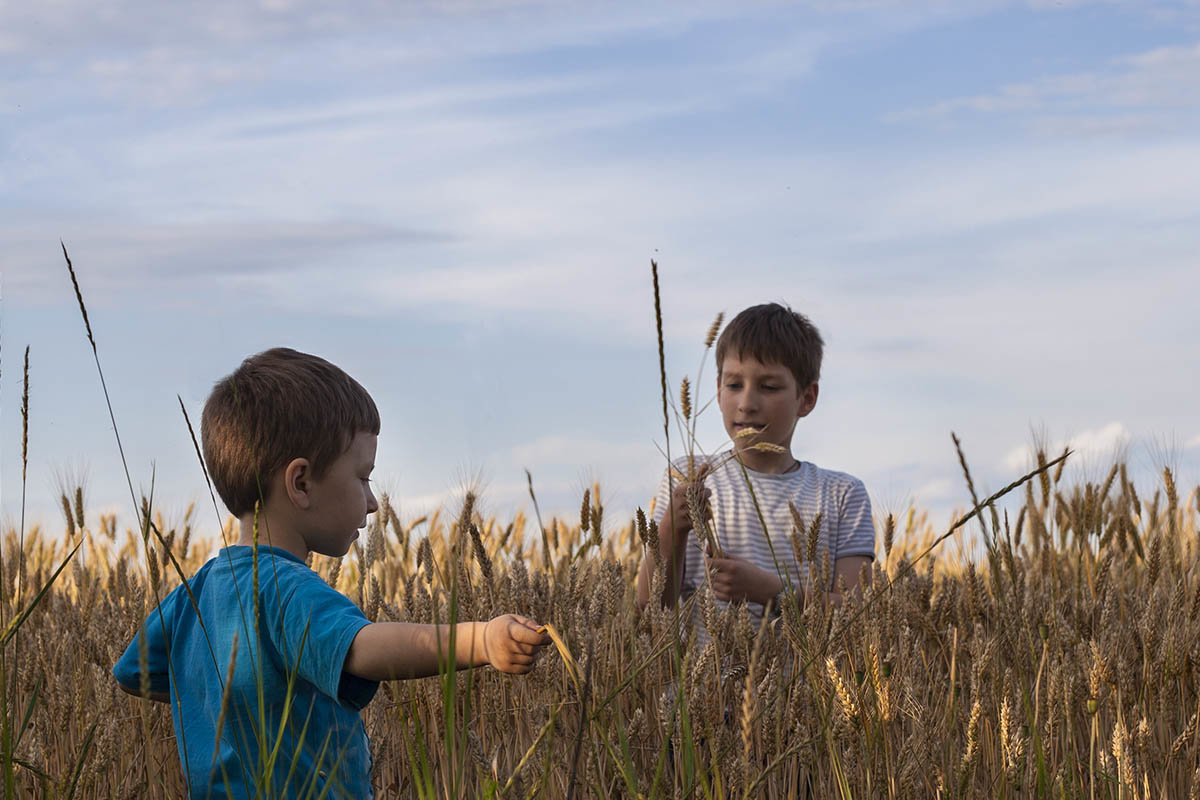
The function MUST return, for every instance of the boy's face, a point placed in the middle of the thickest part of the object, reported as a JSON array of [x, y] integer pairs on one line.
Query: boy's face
[[342, 499], [763, 397]]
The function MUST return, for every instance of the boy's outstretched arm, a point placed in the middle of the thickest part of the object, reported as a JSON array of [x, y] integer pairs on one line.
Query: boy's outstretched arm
[[389, 650], [672, 543]]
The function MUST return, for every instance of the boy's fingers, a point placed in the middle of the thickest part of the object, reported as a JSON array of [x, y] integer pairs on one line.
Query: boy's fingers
[[520, 633], [539, 630]]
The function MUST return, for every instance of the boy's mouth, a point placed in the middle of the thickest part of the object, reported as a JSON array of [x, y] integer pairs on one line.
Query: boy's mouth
[[748, 426]]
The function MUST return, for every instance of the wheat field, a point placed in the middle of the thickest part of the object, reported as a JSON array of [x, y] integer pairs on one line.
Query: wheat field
[[1063, 663]]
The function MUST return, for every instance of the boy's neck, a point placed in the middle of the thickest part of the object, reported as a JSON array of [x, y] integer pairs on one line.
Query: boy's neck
[[271, 533], [769, 463]]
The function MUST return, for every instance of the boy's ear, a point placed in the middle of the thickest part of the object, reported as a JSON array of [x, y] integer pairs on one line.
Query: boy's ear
[[297, 482], [808, 399]]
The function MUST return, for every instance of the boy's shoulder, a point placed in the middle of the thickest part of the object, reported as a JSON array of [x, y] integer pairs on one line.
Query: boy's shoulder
[[279, 572], [294, 594], [833, 477]]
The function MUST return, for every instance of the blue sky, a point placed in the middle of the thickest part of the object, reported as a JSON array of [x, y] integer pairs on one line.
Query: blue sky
[[991, 210]]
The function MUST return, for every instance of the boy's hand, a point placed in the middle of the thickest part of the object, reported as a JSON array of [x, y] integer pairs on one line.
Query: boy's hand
[[510, 641], [678, 514], [736, 579]]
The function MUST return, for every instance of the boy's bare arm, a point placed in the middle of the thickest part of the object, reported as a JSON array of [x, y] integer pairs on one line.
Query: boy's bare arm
[[671, 553], [390, 650], [158, 697], [672, 542], [846, 570]]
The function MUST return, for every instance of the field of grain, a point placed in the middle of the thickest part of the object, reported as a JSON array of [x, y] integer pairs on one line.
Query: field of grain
[[1062, 662], [1065, 663]]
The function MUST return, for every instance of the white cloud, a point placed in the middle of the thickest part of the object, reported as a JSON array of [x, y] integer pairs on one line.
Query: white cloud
[[445, 184], [1193, 443], [931, 493], [1090, 445], [1159, 83], [562, 467], [130, 257], [133, 23], [1061, 125], [165, 76], [559, 450], [960, 195], [343, 113], [411, 506]]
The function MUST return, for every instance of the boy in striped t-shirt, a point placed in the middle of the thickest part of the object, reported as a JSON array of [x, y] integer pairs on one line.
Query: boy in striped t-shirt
[[768, 366]]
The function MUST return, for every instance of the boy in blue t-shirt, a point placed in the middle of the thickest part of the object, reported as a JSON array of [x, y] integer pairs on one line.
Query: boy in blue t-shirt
[[265, 666], [768, 367]]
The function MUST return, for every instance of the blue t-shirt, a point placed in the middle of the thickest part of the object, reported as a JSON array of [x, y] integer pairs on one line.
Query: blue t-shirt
[[305, 628]]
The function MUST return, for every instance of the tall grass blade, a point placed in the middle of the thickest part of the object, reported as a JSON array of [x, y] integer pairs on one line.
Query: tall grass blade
[[82, 758]]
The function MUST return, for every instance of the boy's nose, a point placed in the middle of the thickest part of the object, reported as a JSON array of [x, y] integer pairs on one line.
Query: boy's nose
[[372, 503]]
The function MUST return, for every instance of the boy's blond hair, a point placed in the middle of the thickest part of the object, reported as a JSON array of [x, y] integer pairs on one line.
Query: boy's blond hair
[[774, 334], [279, 405]]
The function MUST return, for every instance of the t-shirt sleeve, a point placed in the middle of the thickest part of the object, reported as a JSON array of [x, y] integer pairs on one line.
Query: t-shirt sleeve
[[661, 499], [663, 496], [856, 529], [156, 630], [319, 623]]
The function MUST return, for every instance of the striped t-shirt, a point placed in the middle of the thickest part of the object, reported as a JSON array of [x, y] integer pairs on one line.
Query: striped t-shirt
[[841, 500]]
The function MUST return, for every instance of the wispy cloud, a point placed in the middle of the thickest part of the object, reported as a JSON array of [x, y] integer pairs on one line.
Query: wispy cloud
[[341, 113], [966, 193], [130, 257], [130, 24], [562, 467], [1153, 91], [475, 177], [563, 450], [457, 25], [166, 75], [935, 492], [1107, 442], [1193, 443]]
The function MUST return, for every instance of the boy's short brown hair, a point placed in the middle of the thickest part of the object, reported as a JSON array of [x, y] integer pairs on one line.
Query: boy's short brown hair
[[279, 405], [774, 334]]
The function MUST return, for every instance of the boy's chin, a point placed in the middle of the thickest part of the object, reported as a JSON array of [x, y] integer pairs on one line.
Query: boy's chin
[[333, 552]]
